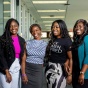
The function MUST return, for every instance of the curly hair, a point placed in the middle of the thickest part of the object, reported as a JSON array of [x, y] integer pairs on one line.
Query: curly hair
[[78, 40]]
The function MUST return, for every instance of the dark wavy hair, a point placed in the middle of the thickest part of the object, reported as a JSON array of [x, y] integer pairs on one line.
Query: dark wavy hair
[[63, 31], [78, 40], [34, 25]]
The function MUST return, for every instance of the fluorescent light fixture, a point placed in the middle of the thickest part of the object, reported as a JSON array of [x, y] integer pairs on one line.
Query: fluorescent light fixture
[[7, 11], [47, 25], [49, 2], [48, 28], [52, 17], [6, 2], [50, 10], [6, 17], [47, 21]]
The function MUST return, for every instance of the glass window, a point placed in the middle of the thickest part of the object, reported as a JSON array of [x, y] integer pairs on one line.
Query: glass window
[[1, 17], [7, 10]]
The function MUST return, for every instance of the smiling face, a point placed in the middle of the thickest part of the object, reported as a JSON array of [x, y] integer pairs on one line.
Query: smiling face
[[36, 32], [56, 30], [14, 28], [79, 29]]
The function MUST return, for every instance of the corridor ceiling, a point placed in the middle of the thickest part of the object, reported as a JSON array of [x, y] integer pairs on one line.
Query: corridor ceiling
[[68, 10]]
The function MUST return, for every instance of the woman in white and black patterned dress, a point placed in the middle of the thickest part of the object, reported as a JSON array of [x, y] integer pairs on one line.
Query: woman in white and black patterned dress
[[58, 50]]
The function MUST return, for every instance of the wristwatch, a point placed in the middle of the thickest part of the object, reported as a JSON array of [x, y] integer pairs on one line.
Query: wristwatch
[[81, 72]]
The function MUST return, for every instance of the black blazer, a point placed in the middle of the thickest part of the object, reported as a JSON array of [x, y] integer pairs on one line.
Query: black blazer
[[7, 58]]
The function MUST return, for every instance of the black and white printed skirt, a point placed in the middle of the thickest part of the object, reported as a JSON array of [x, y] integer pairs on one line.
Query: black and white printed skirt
[[54, 76]]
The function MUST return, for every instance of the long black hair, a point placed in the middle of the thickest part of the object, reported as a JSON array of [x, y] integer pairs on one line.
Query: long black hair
[[63, 29], [6, 36], [63, 32], [79, 40]]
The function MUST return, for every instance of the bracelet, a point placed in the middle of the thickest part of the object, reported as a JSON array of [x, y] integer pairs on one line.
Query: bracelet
[[81, 72], [23, 75], [70, 74]]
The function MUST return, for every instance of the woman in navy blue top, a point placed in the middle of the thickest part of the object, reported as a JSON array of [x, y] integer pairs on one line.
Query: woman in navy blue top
[[80, 54], [58, 50]]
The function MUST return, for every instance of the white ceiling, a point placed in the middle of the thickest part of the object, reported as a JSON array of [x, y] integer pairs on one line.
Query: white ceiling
[[78, 9]]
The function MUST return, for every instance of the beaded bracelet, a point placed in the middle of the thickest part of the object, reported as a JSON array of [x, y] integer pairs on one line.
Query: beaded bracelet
[[23, 75]]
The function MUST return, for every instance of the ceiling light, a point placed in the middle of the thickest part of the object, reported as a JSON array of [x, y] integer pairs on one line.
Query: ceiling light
[[47, 21], [6, 2], [52, 17], [47, 25], [6, 17], [7, 11], [48, 28], [49, 2], [50, 10]]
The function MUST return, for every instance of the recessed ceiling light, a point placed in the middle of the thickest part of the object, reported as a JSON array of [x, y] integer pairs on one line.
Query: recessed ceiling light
[[50, 10], [6, 2], [49, 2], [52, 17]]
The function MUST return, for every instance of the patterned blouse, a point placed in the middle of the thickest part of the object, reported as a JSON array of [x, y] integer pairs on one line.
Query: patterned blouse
[[35, 51]]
